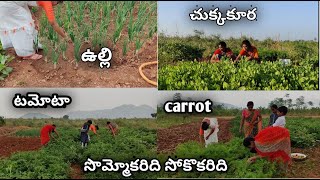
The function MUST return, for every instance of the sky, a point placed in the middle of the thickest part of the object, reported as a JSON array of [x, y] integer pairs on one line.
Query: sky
[[83, 99], [240, 98], [290, 20]]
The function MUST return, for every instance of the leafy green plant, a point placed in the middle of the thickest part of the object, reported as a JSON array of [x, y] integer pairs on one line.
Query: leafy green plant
[[175, 51], [4, 69], [240, 76], [2, 121]]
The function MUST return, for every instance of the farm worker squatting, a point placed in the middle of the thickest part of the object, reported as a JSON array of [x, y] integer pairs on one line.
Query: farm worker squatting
[[272, 143], [209, 131], [18, 30], [46, 132]]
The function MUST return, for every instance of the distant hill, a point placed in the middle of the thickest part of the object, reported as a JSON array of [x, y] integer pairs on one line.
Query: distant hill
[[225, 105], [124, 111], [35, 116]]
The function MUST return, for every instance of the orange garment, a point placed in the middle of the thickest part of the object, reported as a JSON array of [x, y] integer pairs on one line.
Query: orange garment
[[47, 6], [250, 118], [274, 143], [201, 132], [93, 128], [44, 134], [252, 53]]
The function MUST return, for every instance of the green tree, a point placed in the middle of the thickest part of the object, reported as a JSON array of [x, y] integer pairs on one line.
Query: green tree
[[177, 97], [2, 121], [300, 104]]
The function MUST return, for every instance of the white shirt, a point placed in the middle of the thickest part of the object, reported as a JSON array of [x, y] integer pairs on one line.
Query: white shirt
[[281, 121], [213, 138], [15, 15]]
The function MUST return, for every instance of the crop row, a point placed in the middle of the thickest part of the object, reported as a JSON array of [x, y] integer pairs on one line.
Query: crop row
[[97, 23], [240, 76]]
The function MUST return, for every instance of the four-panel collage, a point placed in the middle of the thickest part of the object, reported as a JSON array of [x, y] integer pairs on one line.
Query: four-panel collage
[[159, 89]]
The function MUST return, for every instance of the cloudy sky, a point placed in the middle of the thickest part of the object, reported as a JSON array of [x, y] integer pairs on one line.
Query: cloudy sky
[[85, 99], [291, 20], [240, 98]]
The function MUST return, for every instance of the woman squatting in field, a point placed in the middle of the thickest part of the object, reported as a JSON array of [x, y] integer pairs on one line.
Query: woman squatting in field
[[18, 29], [272, 143]]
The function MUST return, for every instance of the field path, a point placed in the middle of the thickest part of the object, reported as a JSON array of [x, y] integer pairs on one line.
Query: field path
[[169, 138]]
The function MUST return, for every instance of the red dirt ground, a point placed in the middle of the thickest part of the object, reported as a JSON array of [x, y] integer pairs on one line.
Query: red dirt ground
[[124, 72], [11, 145], [168, 139], [38, 73], [306, 169], [76, 172]]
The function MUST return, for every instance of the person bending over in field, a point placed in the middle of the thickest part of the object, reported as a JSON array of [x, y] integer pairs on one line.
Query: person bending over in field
[[84, 133], [94, 129], [46, 133], [251, 121], [18, 29], [281, 121], [248, 51], [272, 143], [222, 51], [209, 131], [113, 127], [274, 115]]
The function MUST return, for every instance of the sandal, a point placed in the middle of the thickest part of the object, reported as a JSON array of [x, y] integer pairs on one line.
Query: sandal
[[33, 57]]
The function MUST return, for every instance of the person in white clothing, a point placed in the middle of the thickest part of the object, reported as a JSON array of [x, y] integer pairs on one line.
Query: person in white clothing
[[209, 131], [281, 121], [18, 29]]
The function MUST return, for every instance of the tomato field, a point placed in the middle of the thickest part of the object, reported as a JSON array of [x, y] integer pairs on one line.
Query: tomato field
[[55, 160], [183, 65]]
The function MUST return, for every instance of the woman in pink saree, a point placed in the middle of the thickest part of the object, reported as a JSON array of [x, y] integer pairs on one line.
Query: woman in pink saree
[[251, 121]]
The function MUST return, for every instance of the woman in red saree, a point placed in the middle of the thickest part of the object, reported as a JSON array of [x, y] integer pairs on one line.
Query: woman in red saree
[[251, 121], [272, 143], [45, 133]]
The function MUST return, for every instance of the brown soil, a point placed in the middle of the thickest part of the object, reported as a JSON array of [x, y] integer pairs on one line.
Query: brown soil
[[38, 73], [168, 139], [6, 131], [10, 145], [306, 169], [124, 71], [76, 172]]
